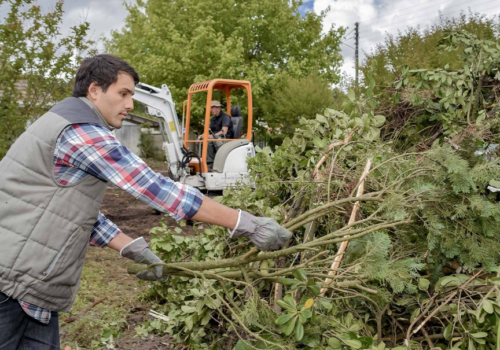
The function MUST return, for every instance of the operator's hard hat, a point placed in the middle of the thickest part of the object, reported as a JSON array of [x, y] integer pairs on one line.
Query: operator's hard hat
[[215, 104]]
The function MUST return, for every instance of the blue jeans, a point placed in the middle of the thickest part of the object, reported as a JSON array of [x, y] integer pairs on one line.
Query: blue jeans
[[18, 331]]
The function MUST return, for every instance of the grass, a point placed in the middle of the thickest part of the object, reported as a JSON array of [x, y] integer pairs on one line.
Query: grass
[[104, 275]]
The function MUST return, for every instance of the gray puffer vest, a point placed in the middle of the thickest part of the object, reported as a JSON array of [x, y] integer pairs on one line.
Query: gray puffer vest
[[45, 227]]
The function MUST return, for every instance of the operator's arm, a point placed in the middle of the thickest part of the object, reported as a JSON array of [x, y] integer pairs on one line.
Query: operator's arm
[[226, 120], [223, 131]]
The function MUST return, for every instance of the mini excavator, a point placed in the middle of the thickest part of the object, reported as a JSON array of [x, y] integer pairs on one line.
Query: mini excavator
[[187, 157]]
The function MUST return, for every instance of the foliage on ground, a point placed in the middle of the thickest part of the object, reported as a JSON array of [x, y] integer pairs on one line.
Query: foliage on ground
[[103, 324], [421, 268]]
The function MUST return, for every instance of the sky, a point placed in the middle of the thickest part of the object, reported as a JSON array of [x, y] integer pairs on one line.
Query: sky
[[375, 17]]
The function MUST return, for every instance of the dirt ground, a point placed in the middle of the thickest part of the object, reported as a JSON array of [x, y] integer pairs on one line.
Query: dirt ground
[[109, 298]]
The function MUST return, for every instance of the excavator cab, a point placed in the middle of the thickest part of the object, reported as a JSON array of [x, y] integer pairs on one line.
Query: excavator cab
[[186, 165], [230, 164]]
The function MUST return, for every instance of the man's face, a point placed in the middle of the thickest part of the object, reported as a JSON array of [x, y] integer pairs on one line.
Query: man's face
[[116, 102], [215, 110]]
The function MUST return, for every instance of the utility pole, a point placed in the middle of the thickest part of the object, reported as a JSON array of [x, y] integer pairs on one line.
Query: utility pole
[[356, 51]]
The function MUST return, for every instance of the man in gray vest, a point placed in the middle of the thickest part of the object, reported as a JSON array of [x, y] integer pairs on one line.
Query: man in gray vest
[[52, 182]]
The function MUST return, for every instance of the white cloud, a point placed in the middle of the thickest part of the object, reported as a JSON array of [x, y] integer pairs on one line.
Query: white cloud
[[378, 17], [103, 15]]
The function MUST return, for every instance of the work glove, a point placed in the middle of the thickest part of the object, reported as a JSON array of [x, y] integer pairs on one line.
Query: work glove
[[265, 233], [138, 250]]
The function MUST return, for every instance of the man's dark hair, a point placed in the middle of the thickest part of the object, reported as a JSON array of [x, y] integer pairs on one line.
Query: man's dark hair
[[102, 69]]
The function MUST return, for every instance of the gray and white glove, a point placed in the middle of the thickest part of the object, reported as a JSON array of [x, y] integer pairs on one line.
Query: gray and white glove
[[138, 250], [265, 233]]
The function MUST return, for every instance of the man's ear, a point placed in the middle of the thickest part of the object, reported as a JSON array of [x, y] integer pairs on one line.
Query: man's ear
[[93, 91]]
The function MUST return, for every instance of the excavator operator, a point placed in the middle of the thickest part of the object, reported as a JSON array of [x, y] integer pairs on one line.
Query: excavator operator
[[221, 126]]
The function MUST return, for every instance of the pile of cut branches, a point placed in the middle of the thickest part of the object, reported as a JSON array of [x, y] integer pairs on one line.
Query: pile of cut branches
[[390, 248]]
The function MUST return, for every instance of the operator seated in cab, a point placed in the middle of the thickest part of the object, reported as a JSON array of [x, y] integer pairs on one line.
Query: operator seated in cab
[[221, 126]]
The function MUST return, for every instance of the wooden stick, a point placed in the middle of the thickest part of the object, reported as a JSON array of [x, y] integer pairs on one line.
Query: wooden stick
[[352, 219], [83, 312], [309, 234]]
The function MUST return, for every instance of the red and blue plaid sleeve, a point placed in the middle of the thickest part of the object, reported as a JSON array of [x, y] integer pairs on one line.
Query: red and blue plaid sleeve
[[38, 313], [96, 151], [104, 231]]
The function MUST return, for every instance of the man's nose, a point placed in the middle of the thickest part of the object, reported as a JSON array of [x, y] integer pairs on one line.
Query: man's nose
[[129, 105]]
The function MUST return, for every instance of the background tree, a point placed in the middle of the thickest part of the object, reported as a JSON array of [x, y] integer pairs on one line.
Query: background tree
[[37, 64], [416, 47], [182, 42], [410, 121], [294, 98]]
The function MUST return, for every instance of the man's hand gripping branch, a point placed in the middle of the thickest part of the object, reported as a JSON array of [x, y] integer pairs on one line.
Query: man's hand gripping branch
[[265, 233]]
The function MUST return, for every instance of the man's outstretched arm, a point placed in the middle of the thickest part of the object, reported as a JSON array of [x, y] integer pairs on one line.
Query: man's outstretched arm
[[96, 151]]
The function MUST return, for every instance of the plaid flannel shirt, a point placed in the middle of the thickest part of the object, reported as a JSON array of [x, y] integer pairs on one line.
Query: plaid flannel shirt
[[84, 149]]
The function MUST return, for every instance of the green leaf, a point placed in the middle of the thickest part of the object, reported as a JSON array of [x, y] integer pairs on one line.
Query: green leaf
[[488, 306], [289, 300], [288, 327], [326, 304], [335, 343], [303, 316], [472, 346], [447, 332], [299, 331], [300, 274], [188, 309], [316, 290], [395, 99], [320, 143], [321, 119], [283, 319], [351, 95], [498, 332], [348, 319], [196, 292], [423, 283], [371, 134], [288, 281], [358, 122], [414, 314], [355, 344], [286, 306], [240, 345], [378, 120], [415, 98], [479, 335], [481, 315]]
